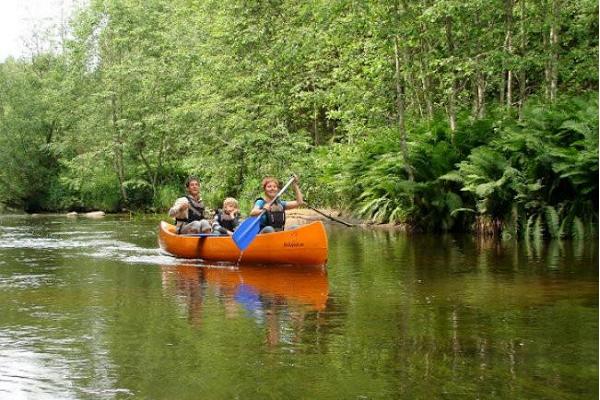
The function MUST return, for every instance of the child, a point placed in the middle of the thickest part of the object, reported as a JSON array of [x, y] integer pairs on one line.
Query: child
[[227, 219], [273, 219]]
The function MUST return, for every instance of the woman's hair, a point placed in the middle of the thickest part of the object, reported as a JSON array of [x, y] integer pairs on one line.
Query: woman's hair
[[269, 179], [190, 179], [231, 202]]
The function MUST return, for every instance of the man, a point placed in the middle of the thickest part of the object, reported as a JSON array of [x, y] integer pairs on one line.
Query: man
[[188, 210]]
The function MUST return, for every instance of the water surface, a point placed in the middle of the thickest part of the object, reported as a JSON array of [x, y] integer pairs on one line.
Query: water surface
[[92, 310]]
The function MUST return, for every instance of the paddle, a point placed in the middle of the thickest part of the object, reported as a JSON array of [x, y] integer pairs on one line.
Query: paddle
[[247, 231], [329, 216]]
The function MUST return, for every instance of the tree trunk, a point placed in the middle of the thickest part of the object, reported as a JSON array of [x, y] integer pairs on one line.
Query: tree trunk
[[425, 79], [546, 71], [554, 27], [502, 87], [400, 111], [478, 81], [509, 50], [419, 96], [479, 95], [118, 150], [522, 73], [315, 124], [451, 106]]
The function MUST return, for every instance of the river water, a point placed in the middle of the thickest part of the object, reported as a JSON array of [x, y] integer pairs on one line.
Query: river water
[[90, 309]]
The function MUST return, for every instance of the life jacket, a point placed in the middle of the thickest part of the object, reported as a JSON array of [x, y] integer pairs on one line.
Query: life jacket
[[275, 217], [195, 211], [226, 221]]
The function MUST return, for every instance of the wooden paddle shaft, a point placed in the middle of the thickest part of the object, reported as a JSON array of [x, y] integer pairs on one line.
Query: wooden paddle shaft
[[330, 216]]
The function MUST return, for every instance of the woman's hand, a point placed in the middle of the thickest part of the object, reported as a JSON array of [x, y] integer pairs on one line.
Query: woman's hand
[[296, 179]]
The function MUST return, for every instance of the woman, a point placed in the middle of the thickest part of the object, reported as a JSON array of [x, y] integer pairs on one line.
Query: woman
[[273, 219]]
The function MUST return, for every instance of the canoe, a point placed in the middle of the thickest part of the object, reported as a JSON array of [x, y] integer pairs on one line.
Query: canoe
[[305, 245]]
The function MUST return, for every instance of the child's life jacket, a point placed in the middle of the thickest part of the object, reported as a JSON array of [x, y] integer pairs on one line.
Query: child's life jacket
[[227, 221]]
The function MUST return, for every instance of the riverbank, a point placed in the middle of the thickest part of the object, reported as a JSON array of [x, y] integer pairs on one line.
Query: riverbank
[[301, 216]]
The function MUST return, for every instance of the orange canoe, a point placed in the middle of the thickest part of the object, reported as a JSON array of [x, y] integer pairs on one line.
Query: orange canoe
[[305, 245]]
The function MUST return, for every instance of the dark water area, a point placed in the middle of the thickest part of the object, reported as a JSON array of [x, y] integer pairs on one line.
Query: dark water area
[[90, 309]]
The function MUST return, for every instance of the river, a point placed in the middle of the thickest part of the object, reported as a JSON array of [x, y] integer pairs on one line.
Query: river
[[90, 309]]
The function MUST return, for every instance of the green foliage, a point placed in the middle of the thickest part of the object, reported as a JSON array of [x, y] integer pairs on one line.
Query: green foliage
[[553, 222], [138, 192], [526, 167], [401, 111], [578, 230], [383, 191]]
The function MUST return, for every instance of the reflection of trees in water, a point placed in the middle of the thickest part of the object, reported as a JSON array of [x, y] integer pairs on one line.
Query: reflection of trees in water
[[467, 314]]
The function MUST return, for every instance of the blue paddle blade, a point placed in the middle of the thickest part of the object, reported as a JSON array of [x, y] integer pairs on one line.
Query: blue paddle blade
[[246, 232]]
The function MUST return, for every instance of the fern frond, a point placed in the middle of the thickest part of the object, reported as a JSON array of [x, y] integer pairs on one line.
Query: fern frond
[[552, 222], [529, 226], [538, 229], [578, 230]]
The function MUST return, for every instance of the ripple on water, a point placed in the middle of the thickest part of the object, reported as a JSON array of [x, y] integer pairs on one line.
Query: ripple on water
[[94, 244], [33, 365], [92, 234], [41, 243], [22, 281], [26, 373]]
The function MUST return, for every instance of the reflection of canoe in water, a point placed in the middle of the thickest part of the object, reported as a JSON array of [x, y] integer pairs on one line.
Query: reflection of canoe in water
[[295, 284], [305, 245]]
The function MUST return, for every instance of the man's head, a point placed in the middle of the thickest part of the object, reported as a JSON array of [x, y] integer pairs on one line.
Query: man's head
[[192, 185]]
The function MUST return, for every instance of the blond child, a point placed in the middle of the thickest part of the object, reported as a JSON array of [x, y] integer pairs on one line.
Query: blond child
[[227, 219]]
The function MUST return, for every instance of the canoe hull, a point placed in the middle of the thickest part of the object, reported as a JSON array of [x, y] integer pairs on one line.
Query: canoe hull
[[305, 245]]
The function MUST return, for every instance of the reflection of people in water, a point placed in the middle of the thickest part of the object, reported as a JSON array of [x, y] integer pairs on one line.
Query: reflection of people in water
[[248, 297], [282, 321], [285, 323], [189, 285], [277, 299]]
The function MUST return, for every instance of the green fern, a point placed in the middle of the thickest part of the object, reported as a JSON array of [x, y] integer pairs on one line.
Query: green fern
[[553, 222], [538, 228], [578, 230], [511, 227]]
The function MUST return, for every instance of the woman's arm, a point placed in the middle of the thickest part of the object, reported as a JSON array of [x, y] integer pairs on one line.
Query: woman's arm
[[299, 198], [258, 207]]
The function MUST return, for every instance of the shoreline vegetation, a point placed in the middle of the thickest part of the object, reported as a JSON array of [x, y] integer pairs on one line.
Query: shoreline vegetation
[[429, 117], [299, 216]]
